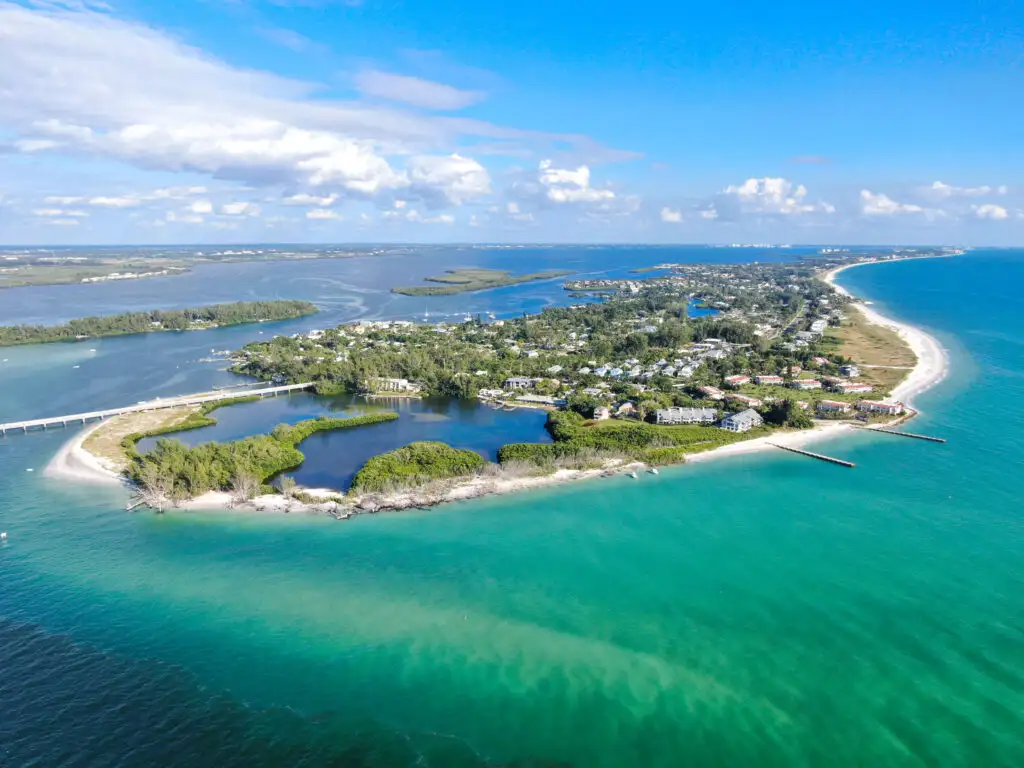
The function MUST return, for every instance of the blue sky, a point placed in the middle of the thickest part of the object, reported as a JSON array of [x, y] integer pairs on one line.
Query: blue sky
[[203, 121]]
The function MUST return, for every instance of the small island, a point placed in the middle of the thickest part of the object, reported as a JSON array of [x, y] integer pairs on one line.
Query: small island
[[197, 319], [466, 280]]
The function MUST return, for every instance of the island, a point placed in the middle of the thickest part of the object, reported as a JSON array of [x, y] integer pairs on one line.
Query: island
[[200, 318], [630, 383], [474, 279]]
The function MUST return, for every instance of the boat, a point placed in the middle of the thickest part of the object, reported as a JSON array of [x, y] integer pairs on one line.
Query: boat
[[633, 475], [653, 470]]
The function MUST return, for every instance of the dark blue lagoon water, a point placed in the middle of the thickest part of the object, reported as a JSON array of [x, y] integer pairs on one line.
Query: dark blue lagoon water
[[765, 610]]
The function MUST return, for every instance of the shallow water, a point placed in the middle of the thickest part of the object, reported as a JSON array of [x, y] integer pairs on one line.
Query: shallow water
[[764, 610]]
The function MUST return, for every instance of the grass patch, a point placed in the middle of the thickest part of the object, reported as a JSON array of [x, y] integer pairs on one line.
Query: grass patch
[[465, 280]]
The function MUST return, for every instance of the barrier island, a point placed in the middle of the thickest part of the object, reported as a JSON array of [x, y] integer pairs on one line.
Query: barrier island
[[466, 280], [156, 321]]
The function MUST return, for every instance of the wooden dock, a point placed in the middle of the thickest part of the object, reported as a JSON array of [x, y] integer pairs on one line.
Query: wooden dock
[[149, 405], [906, 434], [821, 456]]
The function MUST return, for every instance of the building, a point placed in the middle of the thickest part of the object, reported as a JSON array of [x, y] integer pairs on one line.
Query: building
[[821, 361], [833, 406], [749, 402], [853, 387], [602, 412], [818, 327], [392, 385], [805, 384], [686, 415], [540, 400], [517, 382], [769, 379], [714, 393], [744, 421], [850, 371], [870, 406], [625, 409], [737, 381]]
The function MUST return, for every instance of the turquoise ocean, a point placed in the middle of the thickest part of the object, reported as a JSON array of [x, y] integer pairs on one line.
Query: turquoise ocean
[[764, 610]]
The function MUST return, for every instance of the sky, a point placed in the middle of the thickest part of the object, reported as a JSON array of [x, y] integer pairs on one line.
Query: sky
[[342, 121]]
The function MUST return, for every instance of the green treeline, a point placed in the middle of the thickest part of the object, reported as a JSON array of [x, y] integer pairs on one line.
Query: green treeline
[[415, 464], [465, 280], [634, 440], [176, 472], [156, 321]]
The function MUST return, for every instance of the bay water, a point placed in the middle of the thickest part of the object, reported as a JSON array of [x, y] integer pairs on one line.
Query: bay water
[[761, 610]]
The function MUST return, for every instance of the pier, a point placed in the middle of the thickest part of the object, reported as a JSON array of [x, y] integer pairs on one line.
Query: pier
[[821, 456], [906, 434], [149, 405]]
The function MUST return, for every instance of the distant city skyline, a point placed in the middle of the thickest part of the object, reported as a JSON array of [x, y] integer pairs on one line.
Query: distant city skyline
[[363, 121]]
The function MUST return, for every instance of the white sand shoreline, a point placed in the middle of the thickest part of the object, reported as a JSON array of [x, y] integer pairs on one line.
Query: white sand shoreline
[[73, 462]]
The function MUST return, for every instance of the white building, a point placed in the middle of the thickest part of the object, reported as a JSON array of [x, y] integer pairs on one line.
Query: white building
[[744, 421]]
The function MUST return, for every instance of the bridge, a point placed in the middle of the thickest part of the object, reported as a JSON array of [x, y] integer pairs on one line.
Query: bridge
[[150, 405]]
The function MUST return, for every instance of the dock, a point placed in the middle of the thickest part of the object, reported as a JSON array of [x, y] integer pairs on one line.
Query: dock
[[906, 434], [821, 456], [149, 405]]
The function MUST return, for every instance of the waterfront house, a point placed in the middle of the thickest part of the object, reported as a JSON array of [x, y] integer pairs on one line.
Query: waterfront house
[[686, 415], [737, 381], [517, 382], [853, 387], [392, 385], [744, 421], [769, 379], [833, 406], [870, 406], [602, 412], [805, 384], [540, 400]]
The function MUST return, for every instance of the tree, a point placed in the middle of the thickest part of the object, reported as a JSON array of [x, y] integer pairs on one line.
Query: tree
[[786, 413], [243, 487], [288, 486]]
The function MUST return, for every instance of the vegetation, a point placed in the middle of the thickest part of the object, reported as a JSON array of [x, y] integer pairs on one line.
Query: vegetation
[[175, 472], [464, 280], [786, 413], [415, 464], [156, 321]]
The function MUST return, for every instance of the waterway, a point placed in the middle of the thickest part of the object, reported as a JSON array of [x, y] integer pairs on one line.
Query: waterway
[[764, 610]]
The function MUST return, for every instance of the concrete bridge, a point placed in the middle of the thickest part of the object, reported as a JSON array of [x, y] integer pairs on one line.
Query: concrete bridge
[[149, 405]]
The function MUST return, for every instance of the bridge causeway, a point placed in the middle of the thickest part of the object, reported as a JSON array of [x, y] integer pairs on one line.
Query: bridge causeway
[[149, 405]]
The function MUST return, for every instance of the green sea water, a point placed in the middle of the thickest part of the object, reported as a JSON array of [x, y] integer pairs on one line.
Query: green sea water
[[764, 610]]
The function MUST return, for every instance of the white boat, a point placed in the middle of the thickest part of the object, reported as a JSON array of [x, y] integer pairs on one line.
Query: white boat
[[633, 475], [654, 470]]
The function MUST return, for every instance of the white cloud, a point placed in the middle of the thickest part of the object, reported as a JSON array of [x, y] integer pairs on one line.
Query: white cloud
[[114, 202], [941, 191], [201, 207], [415, 91], [671, 215], [456, 177], [60, 212], [240, 209], [774, 196], [62, 222], [990, 211], [310, 200], [62, 200], [183, 218], [570, 185], [878, 204], [323, 214]]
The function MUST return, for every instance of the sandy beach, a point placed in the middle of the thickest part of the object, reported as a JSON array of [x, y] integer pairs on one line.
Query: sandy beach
[[74, 463]]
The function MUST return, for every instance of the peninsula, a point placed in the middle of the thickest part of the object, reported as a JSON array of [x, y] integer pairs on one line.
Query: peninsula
[[473, 279], [197, 319]]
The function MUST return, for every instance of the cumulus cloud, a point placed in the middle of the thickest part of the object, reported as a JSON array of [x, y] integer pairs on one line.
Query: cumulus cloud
[[775, 196], [878, 204], [562, 185], [114, 202], [323, 214], [60, 212], [415, 91], [201, 207], [240, 209], [990, 211], [941, 191], [671, 215], [310, 200], [454, 177]]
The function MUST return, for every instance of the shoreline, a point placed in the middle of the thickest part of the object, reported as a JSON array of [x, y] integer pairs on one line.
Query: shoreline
[[73, 462]]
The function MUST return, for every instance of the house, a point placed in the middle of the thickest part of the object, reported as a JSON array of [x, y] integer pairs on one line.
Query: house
[[392, 385], [602, 412], [540, 400], [849, 371], [625, 409], [584, 370], [833, 406], [714, 393], [821, 361], [869, 406], [592, 391], [769, 379], [749, 402], [615, 373], [737, 381], [804, 336], [805, 384], [555, 369], [517, 382], [686, 415], [744, 421], [853, 387], [818, 327]]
